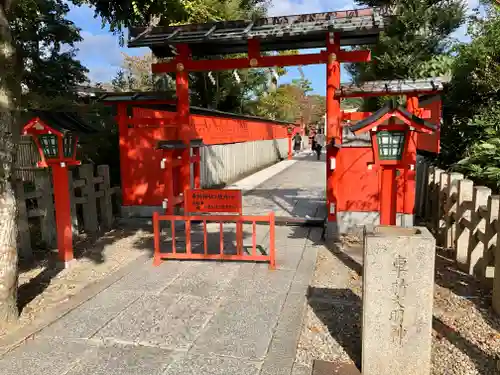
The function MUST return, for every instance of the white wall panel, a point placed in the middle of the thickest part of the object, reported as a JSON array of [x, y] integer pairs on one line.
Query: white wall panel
[[223, 164]]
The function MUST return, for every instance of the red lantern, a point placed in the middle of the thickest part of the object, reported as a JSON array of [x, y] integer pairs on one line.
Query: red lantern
[[390, 146], [54, 137]]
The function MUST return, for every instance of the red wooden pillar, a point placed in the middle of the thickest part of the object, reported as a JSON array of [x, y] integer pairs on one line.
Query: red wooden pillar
[[197, 167], [388, 195], [169, 181], [290, 152], [410, 162], [123, 140], [182, 90], [63, 212], [333, 130]]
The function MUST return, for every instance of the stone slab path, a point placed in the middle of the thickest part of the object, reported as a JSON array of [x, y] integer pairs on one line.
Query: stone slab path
[[194, 317], [298, 191]]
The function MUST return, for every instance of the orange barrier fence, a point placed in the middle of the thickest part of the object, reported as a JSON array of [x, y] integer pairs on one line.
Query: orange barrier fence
[[239, 220]]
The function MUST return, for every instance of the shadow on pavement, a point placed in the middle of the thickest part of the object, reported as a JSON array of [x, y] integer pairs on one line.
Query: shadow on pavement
[[341, 311]]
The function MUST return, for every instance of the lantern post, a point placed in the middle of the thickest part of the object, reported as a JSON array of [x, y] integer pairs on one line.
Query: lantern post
[[390, 142], [57, 150]]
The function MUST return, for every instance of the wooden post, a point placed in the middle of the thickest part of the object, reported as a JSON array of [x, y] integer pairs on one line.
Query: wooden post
[[443, 198], [463, 222], [24, 241], [429, 194], [74, 216], [105, 202], [183, 118], [496, 280], [435, 199], [476, 244], [63, 212], [451, 209], [333, 127], [90, 223], [487, 269], [388, 196], [46, 206]]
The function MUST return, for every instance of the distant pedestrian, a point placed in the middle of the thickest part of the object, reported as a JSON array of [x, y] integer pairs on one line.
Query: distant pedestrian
[[319, 139], [297, 142], [313, 142]]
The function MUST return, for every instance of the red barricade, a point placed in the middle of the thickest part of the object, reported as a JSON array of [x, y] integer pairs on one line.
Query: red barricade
[[240, 254]]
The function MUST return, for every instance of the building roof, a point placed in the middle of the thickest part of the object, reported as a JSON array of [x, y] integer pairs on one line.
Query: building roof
[[136, 96], [356, 27], [390, 106], [426, 85], [61, 121]]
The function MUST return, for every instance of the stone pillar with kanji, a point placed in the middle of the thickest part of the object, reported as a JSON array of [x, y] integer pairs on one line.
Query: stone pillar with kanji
[[398, 292]]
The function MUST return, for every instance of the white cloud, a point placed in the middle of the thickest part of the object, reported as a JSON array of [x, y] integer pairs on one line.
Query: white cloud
[[102, 54], [103, 47]]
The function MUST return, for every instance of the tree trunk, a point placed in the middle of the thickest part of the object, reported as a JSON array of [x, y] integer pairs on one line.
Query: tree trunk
[[8, 209]]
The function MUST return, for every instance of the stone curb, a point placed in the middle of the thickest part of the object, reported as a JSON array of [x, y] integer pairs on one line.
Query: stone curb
[[19, 336], [253, 181]]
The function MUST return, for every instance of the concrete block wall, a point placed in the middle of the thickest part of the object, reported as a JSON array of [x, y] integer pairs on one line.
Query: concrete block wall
[[223, 164]]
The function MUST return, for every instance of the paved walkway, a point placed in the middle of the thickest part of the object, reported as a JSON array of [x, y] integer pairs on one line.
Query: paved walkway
[[194, 317], [298, 191]]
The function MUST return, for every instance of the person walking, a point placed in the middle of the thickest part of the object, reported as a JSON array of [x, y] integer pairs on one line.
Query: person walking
[[312, 134], [319, 139], [297, 143]]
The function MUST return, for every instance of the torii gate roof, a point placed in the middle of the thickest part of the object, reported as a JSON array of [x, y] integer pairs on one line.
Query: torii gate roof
[[356, 27], [392, 87]]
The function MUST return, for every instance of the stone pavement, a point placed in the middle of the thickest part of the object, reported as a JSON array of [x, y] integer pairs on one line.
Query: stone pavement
[[194, 317], [298, 191]]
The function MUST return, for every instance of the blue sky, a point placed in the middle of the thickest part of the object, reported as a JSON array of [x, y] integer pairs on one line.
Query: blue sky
[[100, 51]]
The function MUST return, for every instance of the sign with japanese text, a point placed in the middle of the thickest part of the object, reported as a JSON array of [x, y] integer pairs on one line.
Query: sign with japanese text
[[212, 201]]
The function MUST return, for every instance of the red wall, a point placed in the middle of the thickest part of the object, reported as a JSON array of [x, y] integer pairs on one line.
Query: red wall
[[142, 177], [358, 187], [430, 142], [220, 130]]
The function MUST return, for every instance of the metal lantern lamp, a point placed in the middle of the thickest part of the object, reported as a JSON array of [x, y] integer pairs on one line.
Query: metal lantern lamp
[[390, 145]]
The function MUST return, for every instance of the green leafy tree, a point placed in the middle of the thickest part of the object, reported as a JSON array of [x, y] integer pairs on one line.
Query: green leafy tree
[[471, 120], [44, 41], [119, 15], [411, 46], [416, 44], [288, 103]]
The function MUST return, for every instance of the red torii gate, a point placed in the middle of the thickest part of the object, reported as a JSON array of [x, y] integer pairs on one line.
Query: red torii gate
[[183, 44]]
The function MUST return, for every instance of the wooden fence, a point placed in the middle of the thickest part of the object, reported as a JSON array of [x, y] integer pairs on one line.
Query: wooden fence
[[91, 208], [26, 159], [464, 218]]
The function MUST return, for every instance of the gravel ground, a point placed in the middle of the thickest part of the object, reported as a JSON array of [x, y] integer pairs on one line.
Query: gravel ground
[[44, 284], [466, 338]]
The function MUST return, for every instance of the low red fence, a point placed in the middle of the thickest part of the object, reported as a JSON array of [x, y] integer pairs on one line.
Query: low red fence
[[239, 220]]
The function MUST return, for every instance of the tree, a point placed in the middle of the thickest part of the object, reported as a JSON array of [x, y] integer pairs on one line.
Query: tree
[[9, 95], [416, 43], [288, 103], [418, 34], [45, 48], [470, 132], [33, 69], [125, 13]]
